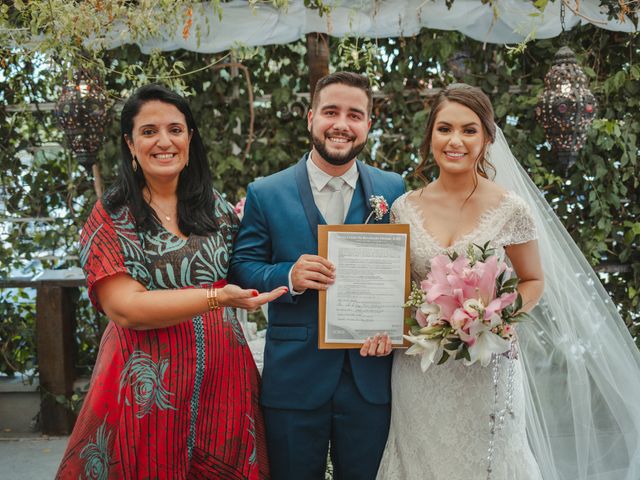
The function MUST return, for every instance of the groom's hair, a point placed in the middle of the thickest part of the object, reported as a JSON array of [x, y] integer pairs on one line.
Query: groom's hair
[[349, 79]]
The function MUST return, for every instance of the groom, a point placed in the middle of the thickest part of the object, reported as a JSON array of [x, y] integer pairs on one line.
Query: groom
[[311, 397]]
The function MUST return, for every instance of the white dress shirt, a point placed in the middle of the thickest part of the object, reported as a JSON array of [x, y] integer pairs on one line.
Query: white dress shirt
[[319, 179]]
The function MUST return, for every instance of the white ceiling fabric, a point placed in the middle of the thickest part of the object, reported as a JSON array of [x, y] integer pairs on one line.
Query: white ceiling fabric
[[263, 24]]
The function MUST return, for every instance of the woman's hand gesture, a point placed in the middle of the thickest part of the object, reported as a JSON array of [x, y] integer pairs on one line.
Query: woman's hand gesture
[[249, 299]]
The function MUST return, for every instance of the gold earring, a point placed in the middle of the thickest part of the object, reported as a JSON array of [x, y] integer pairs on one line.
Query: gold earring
[[134, 164]]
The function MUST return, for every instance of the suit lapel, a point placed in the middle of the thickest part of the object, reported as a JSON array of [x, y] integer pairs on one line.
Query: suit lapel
[[306, 196], [367, 187], [354, 215]]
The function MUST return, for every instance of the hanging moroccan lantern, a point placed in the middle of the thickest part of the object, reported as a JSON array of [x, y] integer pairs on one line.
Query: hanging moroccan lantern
[[566, 107], [82, 114]]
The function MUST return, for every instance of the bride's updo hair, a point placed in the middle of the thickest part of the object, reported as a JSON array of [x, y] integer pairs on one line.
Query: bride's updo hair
[[478, 102]]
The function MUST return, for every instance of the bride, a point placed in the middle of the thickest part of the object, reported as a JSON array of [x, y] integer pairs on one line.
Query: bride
[[564, 408]]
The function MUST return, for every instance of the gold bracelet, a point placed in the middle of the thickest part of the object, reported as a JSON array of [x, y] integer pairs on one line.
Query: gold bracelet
[[216, 305], [212, 299]]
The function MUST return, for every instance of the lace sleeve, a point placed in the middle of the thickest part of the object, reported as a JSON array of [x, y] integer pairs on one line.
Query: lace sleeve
[[394, 216], [519, 226]]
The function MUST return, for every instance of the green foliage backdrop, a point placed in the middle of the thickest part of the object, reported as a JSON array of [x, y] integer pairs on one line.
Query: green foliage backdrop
[[597, 200]]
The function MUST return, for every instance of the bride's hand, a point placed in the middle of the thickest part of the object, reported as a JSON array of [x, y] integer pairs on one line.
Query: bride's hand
[[378, 346]]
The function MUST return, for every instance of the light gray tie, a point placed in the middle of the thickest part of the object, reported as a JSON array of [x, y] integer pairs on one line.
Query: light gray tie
[[335, 206]]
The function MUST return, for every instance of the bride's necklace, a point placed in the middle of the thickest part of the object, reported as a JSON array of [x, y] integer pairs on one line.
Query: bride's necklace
[[166, 216]]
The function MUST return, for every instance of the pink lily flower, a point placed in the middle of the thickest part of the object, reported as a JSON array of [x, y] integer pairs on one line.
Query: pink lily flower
[[447, 305], [488, 272], [496, 305]]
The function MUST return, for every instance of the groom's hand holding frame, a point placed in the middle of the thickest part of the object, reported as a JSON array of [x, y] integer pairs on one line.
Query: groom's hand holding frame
[[312, 271]]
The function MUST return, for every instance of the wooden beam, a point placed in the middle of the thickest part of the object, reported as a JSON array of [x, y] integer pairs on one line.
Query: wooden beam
[[317, 58], [612, 268], [31, 107]]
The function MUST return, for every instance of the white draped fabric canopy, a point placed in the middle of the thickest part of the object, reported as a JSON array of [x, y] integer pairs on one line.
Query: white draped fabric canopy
[[507, 21]]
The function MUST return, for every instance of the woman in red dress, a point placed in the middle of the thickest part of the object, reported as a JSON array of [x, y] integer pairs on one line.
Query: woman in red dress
[[174, 392]]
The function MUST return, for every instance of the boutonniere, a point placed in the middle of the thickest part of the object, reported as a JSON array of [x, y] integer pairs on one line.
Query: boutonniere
[[239, 208], [379, 207]]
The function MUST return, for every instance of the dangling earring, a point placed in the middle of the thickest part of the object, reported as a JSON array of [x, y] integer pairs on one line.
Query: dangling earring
[[134, 164], [190, 136]]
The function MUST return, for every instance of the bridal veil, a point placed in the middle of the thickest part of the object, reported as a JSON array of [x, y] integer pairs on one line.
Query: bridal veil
[[581, 364]]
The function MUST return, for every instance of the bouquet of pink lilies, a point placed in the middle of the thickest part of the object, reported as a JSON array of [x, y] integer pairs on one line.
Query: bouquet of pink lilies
[[465, 308]]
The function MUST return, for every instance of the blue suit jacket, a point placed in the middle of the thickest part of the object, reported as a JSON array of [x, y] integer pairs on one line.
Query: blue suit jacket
[[280, 223]]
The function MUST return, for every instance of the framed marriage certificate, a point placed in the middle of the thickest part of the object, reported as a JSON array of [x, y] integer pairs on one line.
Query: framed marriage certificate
[[372, 284]]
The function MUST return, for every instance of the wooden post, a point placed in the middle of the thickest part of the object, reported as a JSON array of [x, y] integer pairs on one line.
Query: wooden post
[[55, 330], [98, 186], [317, 59]]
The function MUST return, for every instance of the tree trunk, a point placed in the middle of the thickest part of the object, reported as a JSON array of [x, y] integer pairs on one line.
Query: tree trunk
[[317, 59]]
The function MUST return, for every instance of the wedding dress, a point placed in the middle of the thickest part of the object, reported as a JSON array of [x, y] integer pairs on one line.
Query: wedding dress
[[575, 385], [440, 419]]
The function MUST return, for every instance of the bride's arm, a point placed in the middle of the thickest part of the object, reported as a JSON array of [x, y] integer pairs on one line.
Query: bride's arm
[[525, 259]]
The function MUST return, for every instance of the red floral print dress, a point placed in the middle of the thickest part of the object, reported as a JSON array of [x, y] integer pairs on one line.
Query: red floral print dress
[[170, 403]]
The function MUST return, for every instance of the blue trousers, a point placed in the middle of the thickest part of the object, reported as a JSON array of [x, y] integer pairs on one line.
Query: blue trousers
[[298, 440]]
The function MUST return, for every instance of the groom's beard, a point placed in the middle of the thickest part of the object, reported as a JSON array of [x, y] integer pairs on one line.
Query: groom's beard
[[336, 159]]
